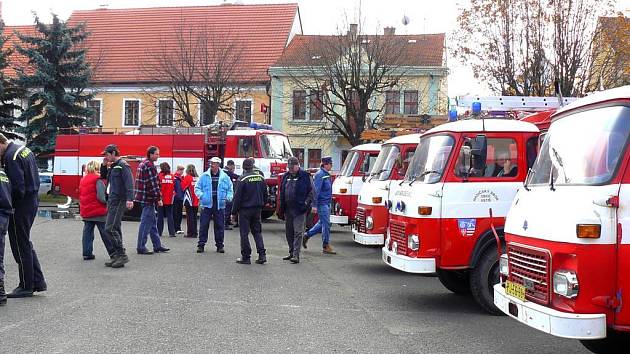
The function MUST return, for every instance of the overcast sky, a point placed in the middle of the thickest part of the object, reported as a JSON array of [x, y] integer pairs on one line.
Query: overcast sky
[[318, 17]]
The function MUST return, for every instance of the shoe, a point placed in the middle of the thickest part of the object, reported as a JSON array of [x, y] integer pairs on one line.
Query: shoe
[[328, 250], [172, 236], [3, 295], [199, 249], [287, 258], [243, 261], [220, 250], [40, 288], [161, 249], [180, 232], [144, 252], [20, 293], [111, 261], [88, 258], [295, 260], [120, 261], [261, 260], [305, 241]]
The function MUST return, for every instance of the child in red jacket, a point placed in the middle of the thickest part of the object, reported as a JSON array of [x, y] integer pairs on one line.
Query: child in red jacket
[[191, 202], [167, 188]]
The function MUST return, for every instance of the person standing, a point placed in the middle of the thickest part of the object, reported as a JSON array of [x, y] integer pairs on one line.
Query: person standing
[[191, 202], [167, 189], [21, 169], [148, 194], [249, 199], [6, 211], [178, 200], [214, 188], [229, 169], [322, 195], [93, 209], [120, 197], [296, 197]]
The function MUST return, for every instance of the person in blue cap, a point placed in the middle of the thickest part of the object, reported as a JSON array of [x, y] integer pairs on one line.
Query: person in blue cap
[[322, 195]]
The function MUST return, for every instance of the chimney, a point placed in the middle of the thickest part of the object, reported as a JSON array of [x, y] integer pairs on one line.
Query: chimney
[[353, 29], [389, 31]]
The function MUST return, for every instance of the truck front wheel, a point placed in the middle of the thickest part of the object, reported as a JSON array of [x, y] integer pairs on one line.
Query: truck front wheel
[[483, 278], [457, 281], [610, 344]]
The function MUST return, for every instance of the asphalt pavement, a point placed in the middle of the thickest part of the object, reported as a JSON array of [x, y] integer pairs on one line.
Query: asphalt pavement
[[191, 303]]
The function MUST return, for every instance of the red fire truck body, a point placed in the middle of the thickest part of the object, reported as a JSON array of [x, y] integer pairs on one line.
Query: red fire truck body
[[566, 268], [372, 215]]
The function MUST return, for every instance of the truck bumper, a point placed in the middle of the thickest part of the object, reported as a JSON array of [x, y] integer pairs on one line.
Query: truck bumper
[[368, 239], [408, 264], [339, 219], [548, 320]]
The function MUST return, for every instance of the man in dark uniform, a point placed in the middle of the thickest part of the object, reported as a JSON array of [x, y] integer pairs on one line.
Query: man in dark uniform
[[6, 211], [21, 168], [229, 170], [249, 199]]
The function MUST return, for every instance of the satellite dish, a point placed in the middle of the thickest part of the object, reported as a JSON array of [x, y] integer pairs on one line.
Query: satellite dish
[[405, 20]]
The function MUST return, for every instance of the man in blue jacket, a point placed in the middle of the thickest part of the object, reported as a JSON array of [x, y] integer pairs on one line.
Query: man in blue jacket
[[213, 189], [322, 195], [296, 197]]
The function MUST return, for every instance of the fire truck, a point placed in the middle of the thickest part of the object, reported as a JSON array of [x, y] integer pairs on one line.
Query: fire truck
[[349, 180], [567, 244], [178, 146], [372, 213]]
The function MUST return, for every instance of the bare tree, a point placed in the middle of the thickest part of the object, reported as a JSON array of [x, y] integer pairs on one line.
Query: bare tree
[[611, 53]]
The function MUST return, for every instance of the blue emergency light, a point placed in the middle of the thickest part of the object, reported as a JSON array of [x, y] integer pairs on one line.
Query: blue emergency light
[[476, 107], [452, 114]]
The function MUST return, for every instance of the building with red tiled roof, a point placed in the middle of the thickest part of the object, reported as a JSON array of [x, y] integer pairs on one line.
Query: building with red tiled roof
[[421, 89]]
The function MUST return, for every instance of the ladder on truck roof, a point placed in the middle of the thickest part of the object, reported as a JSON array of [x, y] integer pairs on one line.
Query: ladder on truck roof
[[510, 103]]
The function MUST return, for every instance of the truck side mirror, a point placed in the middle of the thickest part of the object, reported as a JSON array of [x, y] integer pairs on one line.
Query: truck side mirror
[[479, 152]]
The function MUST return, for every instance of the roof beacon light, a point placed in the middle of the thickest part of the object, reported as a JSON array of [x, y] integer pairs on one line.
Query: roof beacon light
[[452, 114], [476, 107]]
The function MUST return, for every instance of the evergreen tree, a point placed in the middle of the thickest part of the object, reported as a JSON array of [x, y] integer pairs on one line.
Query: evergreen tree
[[56, 76], [9, 92]]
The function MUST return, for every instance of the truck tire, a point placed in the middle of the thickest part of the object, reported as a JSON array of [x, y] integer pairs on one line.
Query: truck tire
[[483, 278], [457, 281], [266, 214], [611, 344]]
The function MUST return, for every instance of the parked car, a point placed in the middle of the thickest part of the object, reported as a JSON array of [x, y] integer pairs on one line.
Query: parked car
[[45, 183]]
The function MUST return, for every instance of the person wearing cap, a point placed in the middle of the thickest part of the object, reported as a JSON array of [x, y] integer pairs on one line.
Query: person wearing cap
[[229, 169], [21, 170], [296, 197], [120, 198], [249, 199], [213, 189], [322, 195]]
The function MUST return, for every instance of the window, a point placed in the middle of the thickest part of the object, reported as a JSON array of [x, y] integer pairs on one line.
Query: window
[[314, 158], [204, 113], [392, 102], [95, 119], [247, 147], [299, 105], [132, 112], [316, 105], [350, 162], [299, 153], [165, 113], [430, 158], [411, 102], [368, 162], [501, 159], [275, 146], [405, 161], [244, 111]]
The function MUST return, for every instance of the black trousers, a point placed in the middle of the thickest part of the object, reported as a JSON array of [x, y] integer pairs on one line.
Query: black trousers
[[20, 223], [113, 224], [191, 220], [249, 220], [178, 208]]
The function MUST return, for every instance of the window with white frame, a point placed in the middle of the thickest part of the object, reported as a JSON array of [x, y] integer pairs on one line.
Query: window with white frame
[[166, 113], [132, 112], [205, 117], [299, 105], [315, 105], [411, 102], [244, 110], [94, 120], [392, 102]]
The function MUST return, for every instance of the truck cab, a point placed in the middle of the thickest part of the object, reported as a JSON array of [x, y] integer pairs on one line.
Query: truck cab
[[372, 215], [349, 180], [565, 269], [439, 213]]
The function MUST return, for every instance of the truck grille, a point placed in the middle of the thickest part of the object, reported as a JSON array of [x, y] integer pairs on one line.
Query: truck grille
[[530, 268], [397, 234], [360, 220]]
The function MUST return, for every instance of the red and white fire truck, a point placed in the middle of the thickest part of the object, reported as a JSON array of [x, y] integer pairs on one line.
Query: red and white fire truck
[[567, 261], [349, 180], [372, 214], [183, 146]]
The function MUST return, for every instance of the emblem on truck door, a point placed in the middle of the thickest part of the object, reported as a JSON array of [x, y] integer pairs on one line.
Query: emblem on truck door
[[467, 226]]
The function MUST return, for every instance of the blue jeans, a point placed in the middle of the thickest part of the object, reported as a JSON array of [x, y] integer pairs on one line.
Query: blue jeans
[[166, 211], [218, 219], [88, 237], [323, 224], [148, 225], [4, 226]]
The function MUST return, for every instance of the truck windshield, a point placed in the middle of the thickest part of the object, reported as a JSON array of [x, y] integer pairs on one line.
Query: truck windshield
[[430, 159], [583, 148], [384, 162], [275, 146], [350, 163]]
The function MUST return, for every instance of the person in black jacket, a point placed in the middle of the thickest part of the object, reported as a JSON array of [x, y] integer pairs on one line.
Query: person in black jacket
[[6, 211], [249, 199], [21, 169], [229, 169], [296, 197]]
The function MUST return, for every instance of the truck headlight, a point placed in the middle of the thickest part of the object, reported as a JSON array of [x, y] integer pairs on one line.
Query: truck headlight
[[413, 242], [369, 223], [503, 265], [565, 283]]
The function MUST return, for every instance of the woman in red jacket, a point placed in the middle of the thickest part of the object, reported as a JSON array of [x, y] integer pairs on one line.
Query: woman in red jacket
[[167, 187], [93, 209], [191, 202]]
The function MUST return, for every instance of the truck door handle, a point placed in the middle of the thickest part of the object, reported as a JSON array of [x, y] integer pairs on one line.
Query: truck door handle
[[611, 201]]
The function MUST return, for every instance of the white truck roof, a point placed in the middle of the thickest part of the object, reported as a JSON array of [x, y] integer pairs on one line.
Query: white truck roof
[[367, 147], [404, 139], [488, 125], [600, 96]]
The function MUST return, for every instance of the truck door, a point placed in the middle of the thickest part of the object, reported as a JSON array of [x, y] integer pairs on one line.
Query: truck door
[[622, 316]]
